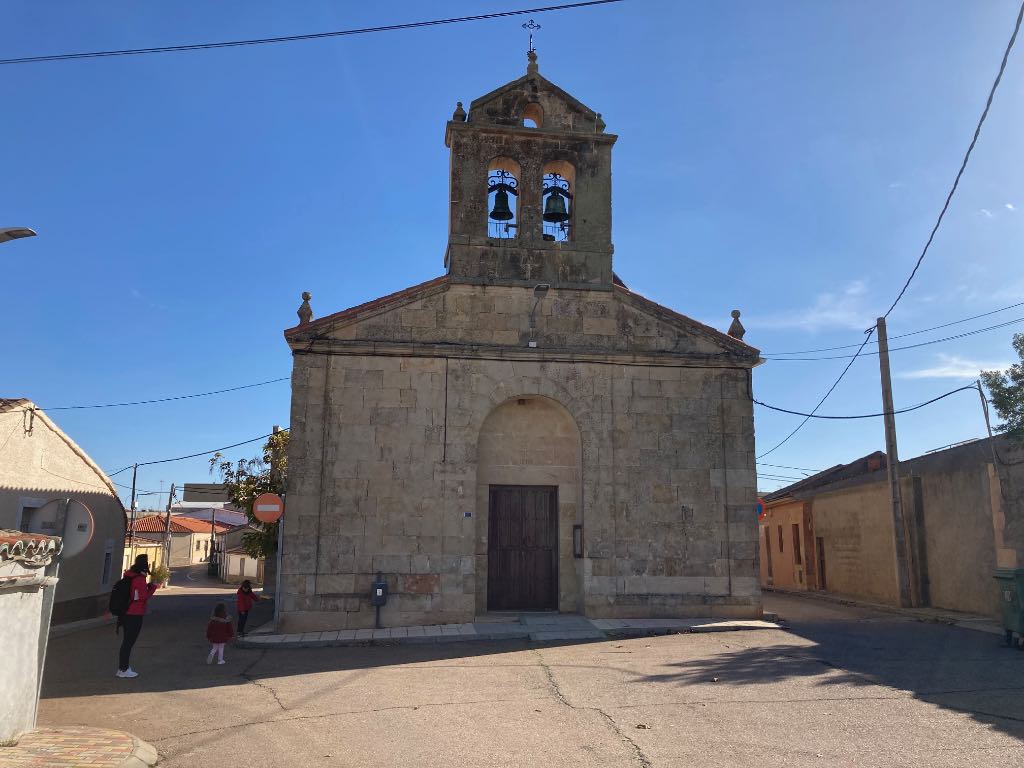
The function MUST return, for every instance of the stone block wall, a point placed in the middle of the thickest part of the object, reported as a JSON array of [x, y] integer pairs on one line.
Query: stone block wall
[[397, 431]]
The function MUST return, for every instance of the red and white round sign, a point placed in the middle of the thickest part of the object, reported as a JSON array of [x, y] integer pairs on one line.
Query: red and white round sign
[[268, 508]]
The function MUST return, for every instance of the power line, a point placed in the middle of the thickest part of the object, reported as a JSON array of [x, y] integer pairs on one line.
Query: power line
[[295, 38], [813, 415], [783, 466], [162, 399], [963, 335], [901, 335], [867, 338], [206, 453], [963, 165], [924, 251]]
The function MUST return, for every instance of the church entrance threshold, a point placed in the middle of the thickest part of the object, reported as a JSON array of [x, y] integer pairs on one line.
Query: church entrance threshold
[[522, 548]]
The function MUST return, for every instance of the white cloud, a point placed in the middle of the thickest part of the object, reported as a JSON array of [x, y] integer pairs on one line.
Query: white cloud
[[953, 367], [1010, 207], [987, 213], [844, 309], [895, 184]]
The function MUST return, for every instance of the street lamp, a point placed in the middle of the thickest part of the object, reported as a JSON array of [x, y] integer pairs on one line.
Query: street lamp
[[15, 233]]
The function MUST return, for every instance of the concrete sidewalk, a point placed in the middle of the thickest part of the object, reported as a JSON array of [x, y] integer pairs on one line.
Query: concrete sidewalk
[[538, 628], [936, 615], [76, 746]]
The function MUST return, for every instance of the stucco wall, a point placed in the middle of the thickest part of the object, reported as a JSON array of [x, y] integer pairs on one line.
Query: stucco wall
[[37, 466], [960, 544], [856, 525], [786, 573], [22, 610]]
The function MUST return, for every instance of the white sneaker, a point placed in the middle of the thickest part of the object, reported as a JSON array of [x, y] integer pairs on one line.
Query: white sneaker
[[222, 662], [127, 673]]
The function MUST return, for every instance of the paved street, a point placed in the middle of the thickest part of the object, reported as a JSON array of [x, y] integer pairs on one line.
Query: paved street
[[840, 686]]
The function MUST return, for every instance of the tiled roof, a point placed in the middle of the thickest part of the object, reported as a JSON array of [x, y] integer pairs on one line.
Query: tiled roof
[[862, 466], [35, 548], [158, 524]]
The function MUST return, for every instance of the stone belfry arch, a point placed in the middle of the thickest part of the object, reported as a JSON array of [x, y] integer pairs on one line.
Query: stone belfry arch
[[540, 128]]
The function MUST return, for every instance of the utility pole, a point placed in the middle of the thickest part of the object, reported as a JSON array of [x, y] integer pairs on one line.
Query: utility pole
[[167, 529], [899, 524], [131, 529]]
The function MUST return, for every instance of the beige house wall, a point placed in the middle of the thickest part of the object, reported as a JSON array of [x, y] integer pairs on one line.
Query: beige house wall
[[856, 525], [786, 572], [38, 465]]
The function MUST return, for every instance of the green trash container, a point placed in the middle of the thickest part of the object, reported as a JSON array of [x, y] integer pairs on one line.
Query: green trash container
[[1011, 588]]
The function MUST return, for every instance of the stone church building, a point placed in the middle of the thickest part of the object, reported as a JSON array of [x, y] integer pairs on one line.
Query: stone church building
[[523, 433]]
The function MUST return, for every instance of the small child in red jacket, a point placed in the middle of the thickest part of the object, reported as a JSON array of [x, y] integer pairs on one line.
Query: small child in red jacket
[[219, 632]]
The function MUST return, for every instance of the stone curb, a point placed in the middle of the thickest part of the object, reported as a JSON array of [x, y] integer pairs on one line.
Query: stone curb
[[546, 635], [60, 630], [79, 746], [144, 756], [967, 621]]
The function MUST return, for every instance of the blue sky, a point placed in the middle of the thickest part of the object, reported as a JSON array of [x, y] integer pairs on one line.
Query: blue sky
[[787, 159]]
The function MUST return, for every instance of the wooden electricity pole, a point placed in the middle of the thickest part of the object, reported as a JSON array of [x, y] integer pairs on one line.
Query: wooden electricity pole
[[899, 525]]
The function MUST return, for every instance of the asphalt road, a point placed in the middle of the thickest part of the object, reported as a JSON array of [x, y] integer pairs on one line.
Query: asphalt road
[[838, 687]]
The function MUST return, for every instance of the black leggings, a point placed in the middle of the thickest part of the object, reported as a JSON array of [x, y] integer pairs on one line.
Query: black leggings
[[130, 627], [242, 617]]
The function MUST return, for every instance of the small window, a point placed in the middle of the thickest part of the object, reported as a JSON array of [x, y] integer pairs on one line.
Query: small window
[[197, 546], [107, 556], [533, 116], [781, 547], [796, 544], [768, 549]]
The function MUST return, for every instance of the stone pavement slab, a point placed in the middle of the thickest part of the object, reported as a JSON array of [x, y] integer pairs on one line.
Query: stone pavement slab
[[77, 746], [539, 628]]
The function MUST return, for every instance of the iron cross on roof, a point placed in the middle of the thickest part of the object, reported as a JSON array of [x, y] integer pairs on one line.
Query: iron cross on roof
[[532, 26]]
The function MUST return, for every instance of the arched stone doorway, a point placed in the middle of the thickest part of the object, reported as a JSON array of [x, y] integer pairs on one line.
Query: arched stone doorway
[[529, 488]]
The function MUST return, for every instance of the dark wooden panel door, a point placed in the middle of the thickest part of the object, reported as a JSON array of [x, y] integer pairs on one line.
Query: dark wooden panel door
[[522, 548]]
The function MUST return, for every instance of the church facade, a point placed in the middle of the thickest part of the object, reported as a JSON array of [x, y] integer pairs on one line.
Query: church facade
[[523, 433]]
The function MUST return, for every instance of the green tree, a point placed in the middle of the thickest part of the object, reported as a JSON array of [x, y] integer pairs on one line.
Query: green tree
[[248, 478], [1006, 389]]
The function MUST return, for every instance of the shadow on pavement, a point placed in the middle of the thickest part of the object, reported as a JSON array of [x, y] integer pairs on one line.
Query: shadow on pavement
[[170, 654], [957, 669]]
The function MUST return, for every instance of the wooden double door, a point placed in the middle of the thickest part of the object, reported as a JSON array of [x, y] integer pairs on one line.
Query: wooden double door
[[522, 548]]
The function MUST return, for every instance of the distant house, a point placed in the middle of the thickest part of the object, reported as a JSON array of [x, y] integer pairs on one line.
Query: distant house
[[191, 540], [236, 565], [221, 512], [963, 514], [41, 467]]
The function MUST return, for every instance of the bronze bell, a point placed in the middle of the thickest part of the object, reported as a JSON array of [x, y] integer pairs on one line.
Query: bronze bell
[[554, 208], [501, 210]]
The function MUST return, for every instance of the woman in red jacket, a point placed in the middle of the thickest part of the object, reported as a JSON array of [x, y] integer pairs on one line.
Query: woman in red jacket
[[131, 621], [219, 632]]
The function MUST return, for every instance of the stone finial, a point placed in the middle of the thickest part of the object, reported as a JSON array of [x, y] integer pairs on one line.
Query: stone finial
[[459, 115], [305, 312], [736, 329], [531, 64]]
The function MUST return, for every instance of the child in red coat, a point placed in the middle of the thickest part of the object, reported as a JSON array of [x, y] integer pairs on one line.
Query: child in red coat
[[219, 632]]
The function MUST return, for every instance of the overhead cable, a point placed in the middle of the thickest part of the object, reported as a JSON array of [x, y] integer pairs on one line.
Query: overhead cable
[[901, 335], [867, 338], [813, 415], [963, 335], [296, 38], [162, 399], [963, 164]]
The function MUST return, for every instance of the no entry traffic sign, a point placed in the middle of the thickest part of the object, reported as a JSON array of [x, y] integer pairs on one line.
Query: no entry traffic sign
[[268, 508]]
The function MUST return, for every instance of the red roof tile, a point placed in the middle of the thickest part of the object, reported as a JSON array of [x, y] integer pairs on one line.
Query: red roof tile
[[158, 524]]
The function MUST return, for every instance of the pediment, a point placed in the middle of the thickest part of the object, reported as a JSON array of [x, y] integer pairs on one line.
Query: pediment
[[505, 106], [439, 317]]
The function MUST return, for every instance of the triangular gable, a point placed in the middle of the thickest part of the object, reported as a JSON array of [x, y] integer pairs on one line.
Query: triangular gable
[[504, 104]]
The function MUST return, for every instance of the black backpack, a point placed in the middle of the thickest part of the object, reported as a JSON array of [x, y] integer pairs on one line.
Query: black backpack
[[121, 597]]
